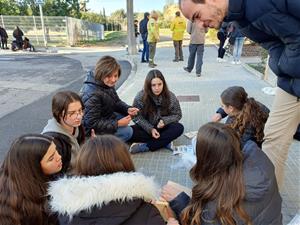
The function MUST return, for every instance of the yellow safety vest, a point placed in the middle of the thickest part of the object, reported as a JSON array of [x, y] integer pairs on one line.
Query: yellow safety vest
[[178, 27], [153, 30]]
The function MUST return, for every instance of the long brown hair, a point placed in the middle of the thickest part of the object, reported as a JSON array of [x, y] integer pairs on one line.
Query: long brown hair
[[149, 105], [218, 175], [250, 112], [23, 186], [104, 154]]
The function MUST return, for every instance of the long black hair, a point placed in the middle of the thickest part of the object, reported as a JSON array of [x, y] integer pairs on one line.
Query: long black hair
[[149, 105]]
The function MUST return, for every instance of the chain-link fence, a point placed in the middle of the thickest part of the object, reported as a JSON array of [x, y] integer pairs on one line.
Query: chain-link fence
[[59, 30]]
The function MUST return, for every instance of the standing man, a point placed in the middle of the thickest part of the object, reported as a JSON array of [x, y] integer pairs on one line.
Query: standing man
[[153, 37], [197, 32], [178, 27], [274, 24], [3, 37], [144, 34]]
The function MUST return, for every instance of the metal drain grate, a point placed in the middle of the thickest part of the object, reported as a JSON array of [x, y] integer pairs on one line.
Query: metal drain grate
[[188, 98]]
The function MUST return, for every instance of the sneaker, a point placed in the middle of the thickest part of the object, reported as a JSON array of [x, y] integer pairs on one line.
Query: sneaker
[[238, 62], [181, 60], [175, 60], [169, 146], [143, 61], [138, 147], [233, 62], [198, 74], [186, 69], [140, 50]]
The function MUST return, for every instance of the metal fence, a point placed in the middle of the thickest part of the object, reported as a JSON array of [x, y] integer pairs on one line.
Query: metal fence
[[59, 30]]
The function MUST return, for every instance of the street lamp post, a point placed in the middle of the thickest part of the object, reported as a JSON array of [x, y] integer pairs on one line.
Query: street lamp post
[[130, 29], [40, 2]]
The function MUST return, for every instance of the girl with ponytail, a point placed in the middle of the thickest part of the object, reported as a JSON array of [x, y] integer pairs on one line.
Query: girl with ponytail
[[245, 115]]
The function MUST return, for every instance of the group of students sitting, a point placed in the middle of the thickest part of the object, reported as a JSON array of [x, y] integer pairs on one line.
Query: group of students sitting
[[86, 140]]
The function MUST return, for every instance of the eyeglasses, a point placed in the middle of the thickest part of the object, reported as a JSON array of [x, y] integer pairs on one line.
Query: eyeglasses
[[75, 114]]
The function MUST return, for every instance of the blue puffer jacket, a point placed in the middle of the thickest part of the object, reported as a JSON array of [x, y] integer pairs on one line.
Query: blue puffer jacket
[[262, 201], [274, 24]]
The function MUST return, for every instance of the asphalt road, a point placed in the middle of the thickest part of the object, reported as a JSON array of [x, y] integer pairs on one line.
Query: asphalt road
[[28, 83]]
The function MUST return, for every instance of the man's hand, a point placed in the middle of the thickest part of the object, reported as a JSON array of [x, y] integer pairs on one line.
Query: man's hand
[[155, 133], [124, 121], [133, 111]]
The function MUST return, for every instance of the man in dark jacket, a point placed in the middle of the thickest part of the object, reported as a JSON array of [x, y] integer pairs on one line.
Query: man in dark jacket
[[274, 24], [3, 37], [144, 34]]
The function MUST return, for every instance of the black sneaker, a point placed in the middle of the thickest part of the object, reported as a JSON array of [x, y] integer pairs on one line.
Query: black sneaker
[[143, 61], [181, 60], [186, 69], [198, 74], [175, 60]]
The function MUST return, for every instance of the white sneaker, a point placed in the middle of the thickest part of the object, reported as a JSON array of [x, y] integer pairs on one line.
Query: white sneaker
[[238, 62], [219, 59], [233, 62]]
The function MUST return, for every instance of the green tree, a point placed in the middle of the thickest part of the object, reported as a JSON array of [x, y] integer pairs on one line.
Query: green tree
[[9, 7], [93, 17]]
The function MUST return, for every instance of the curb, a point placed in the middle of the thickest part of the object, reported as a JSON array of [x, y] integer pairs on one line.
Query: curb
[[132, 59]]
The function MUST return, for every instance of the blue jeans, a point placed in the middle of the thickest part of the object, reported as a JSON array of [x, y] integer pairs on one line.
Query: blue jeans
[[124, 133], [145, 51], [199, 49], [238, 47]]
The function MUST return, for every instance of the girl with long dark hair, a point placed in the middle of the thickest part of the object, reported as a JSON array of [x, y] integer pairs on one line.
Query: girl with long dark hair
[[245, 115], [105, 189], [157, 121], [66, 126], [232, 186], [30, 163]]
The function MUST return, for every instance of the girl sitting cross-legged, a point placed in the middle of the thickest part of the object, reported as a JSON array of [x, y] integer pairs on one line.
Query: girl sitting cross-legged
[[157, 121]]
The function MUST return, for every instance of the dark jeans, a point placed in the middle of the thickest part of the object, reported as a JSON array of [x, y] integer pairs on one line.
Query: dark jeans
[[221, 51], [178, 50], [152, 50], [199, 49], [145, 51], [4, 43], [167, 134]]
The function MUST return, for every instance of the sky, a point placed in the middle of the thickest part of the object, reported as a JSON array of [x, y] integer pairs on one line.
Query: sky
[[113, 5]]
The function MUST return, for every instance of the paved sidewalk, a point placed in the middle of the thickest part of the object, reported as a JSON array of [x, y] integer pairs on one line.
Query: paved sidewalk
[[216, 77]]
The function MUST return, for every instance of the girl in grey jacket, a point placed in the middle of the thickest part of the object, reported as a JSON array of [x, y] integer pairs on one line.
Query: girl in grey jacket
[[159, 112]]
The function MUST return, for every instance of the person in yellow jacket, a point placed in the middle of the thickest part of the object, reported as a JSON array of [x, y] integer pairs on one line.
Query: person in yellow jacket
[[178, 27], [153, 37]]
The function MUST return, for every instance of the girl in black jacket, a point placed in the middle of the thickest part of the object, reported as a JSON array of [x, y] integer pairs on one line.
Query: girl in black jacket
[[105, 190], [105, 113]]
